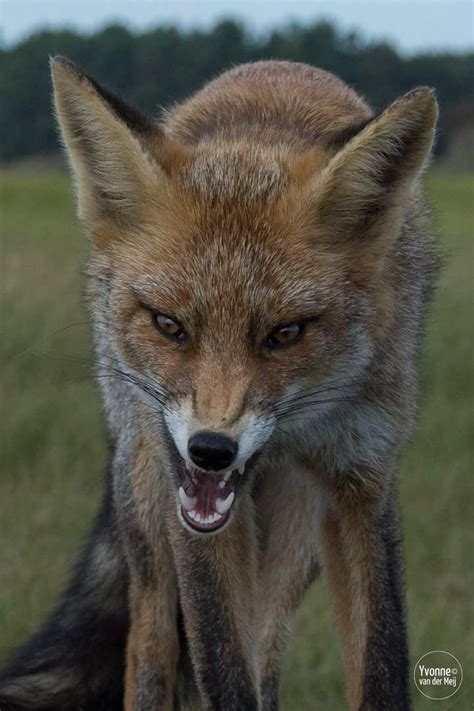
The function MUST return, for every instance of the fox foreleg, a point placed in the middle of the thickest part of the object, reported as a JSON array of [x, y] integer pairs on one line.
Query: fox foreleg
[[288, 502], [217, 591], [152, 649], [362, 555], [153, 640]]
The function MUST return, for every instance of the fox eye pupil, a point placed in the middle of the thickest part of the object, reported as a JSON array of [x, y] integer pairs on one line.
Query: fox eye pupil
[[284, 335], [169, 327]]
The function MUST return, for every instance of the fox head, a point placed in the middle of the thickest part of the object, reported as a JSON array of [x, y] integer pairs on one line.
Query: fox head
[[243, 287]]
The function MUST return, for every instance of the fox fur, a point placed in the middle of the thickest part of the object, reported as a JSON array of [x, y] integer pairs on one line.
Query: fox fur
[[272, 199]]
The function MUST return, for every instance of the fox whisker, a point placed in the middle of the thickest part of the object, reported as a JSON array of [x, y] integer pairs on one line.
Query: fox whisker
[[308, 397], [312, 407], [145, 386], [329, 386], [142, 382]]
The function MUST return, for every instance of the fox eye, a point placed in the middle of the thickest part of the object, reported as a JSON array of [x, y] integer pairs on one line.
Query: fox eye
[[284, 335], [169, 327]]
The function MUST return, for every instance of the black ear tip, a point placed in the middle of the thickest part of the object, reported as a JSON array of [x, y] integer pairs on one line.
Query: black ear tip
[[422, 95], [418, 105], [59, 62], [59, 59], [429, 102]]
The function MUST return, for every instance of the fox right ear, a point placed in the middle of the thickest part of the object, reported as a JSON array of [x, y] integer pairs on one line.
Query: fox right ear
[[113, 149], [359, 196]]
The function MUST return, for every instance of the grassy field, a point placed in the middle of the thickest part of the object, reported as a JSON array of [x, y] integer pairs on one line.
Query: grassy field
[[53, 449]]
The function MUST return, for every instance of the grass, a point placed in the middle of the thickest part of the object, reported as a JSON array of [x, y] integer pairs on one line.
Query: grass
[[53, 443]]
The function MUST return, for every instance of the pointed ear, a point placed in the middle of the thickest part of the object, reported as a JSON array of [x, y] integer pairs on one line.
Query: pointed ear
[[113, 148], [360, 194]]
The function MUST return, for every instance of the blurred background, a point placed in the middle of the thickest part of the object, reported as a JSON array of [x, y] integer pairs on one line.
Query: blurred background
[[53, 438]]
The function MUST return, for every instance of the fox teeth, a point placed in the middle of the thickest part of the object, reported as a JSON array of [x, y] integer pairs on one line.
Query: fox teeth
[[227, 475], [223, 505], [187, 502], [242, 469], [204, 520]]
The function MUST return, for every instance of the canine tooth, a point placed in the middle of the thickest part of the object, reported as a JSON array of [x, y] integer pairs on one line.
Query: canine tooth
[[242, 469], [187, 502], [221, 484], [223, 505], [227, 475]]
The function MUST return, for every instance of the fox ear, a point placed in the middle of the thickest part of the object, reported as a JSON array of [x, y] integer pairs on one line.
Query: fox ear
[[110, 145], [361, 192]]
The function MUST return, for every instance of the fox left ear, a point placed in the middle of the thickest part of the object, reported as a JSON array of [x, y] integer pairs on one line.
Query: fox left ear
[[117, 153], [362, 190]]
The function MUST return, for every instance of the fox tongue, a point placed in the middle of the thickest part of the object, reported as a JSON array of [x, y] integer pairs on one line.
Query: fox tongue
[[205, 497], [206, 493]]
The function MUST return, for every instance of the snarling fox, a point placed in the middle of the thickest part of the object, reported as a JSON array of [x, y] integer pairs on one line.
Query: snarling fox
[[259, 269]]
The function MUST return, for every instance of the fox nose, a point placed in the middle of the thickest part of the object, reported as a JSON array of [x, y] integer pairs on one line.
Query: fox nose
[[211, 450]]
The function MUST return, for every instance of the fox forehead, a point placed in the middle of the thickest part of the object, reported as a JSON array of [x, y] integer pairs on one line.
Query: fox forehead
[[236, 171], [233, 224], [207, 258], [221, 282]]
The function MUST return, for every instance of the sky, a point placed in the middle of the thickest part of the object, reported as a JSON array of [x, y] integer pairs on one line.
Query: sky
[[412, 25]]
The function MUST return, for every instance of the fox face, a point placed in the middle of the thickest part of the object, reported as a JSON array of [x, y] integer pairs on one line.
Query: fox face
[[243, 287], [230, 327]]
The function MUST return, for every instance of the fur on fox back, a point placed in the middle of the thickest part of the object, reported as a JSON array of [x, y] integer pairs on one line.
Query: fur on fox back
[[272, 194]]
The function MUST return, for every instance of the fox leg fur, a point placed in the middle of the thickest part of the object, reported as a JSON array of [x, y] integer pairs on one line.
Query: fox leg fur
[[152, 648], [217, 587], [153, 645], [288, 502], [362, 555]]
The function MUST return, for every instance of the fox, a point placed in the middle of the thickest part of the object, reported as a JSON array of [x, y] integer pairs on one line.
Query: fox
[[259, 270]]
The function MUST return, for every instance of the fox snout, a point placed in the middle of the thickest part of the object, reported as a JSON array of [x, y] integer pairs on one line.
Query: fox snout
[[216, 448], [212, 465]]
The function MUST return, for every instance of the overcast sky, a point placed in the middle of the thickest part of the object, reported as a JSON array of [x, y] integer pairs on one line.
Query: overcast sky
[[411, 25]]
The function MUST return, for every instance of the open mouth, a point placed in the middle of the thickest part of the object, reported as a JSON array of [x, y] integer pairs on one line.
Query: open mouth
[[206, 497]]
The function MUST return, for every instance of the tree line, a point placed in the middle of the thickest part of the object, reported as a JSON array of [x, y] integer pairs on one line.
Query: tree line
[[163, 65]]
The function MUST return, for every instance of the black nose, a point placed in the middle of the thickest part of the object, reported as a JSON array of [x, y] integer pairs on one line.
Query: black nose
[[211, 450]]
